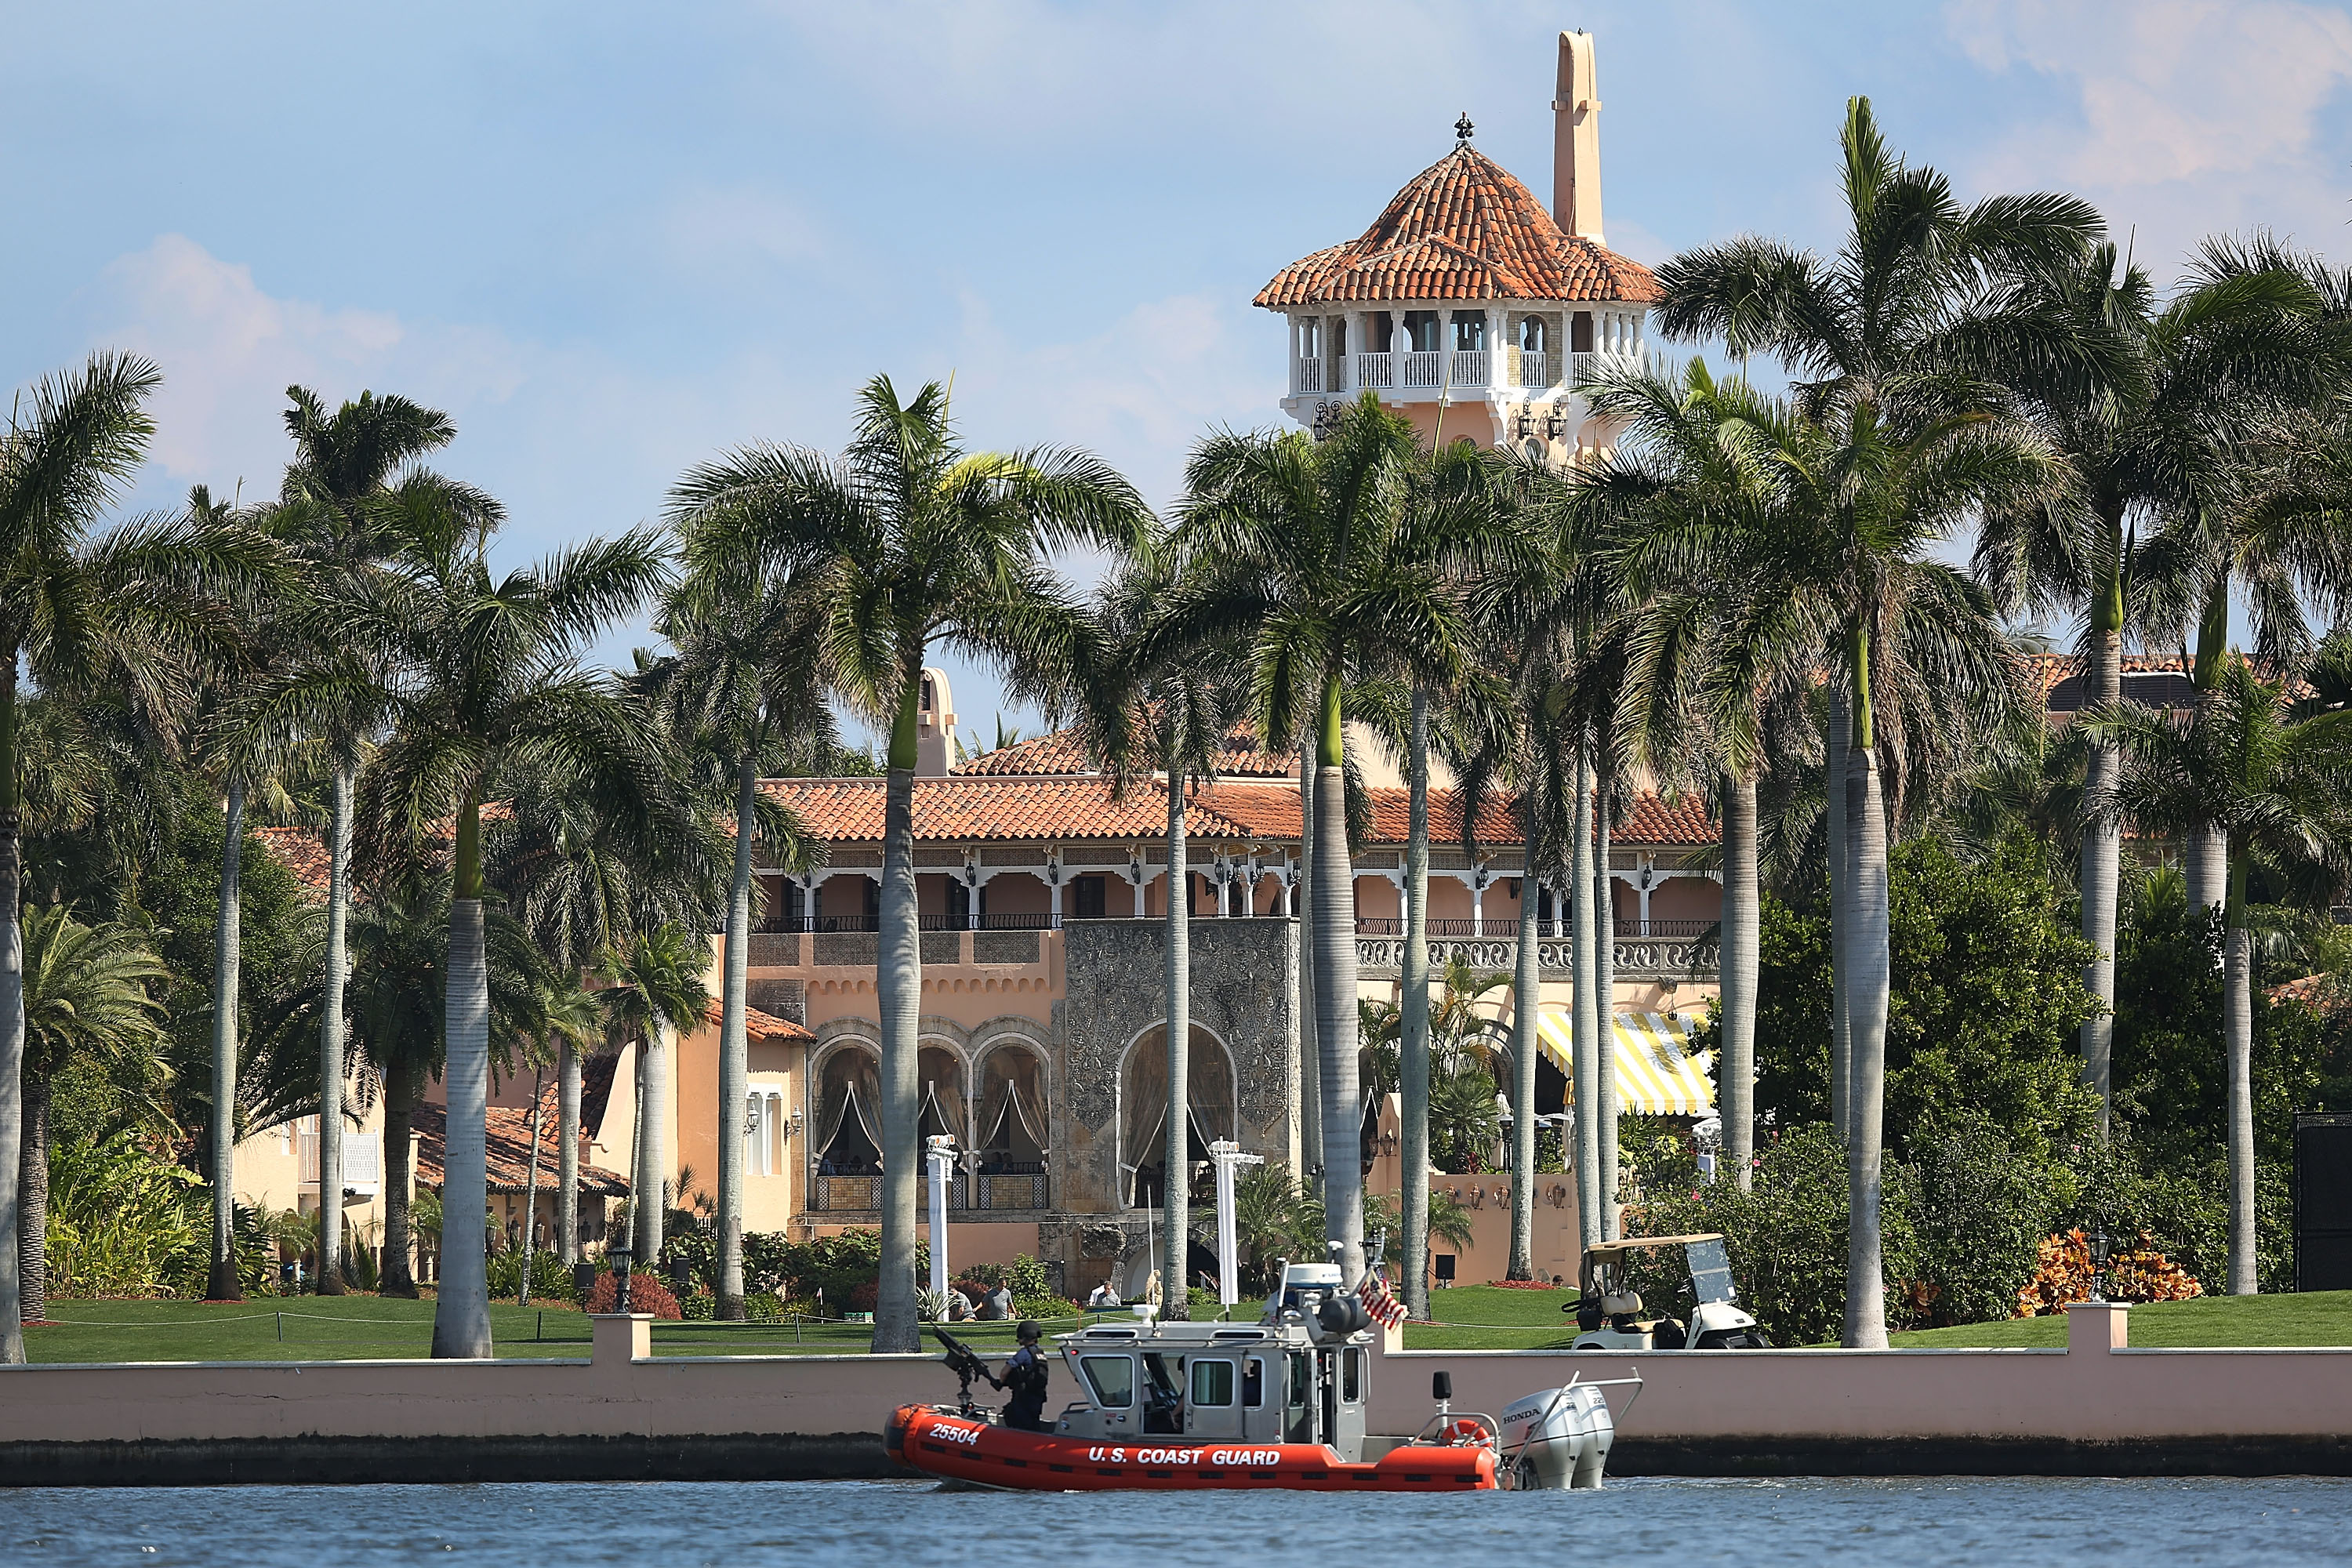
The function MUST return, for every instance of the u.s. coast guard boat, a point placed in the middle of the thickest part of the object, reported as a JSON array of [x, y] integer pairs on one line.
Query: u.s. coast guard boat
[[1280, 1403]]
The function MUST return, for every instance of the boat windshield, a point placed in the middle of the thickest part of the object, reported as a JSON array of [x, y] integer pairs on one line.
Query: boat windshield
[[1710, 1268]]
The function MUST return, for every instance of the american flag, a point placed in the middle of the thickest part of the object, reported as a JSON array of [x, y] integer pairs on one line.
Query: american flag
[[1385, 1308]]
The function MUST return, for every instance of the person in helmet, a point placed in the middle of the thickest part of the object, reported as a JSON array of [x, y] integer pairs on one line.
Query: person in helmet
[[1024, 1379]]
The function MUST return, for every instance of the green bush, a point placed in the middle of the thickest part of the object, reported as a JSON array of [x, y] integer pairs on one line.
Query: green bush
[[1024, 1275], [697, 1307], [762, 1306], [551, 1278], [123, 1222]]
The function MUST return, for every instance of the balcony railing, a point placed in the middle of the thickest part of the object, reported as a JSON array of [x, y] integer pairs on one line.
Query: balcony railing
[[989, 1192], [1422, 369], [363, 1162], [828, 923], [1535, 368], [1375, 371], [1469, 367], [1546, 929], [1306, 375]]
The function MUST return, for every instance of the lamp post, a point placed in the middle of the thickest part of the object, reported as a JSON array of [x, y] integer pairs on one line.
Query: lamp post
[[1227, 1157], [619, 1258], [940, 1156], [2099, 1264]]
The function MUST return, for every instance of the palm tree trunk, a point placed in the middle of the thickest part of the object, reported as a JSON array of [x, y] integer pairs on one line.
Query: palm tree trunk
[[631, 1229], [653, 1213], [1867, 980], [530, 1190], [1413, 1038], [2102, 840], [12, 1016], [330, 1039], [33, 1200], [1742, 968], [1841, 918], [899, 982], [2237, 1041], [1335, 996], [221, 1283], [2206, 857], [1526, 1012], [1604, 995], [1310, 1093], [403, 1088], [567, 1152], [1176, 1222], [734, 1052], [1585, 1012], [461, 1310]]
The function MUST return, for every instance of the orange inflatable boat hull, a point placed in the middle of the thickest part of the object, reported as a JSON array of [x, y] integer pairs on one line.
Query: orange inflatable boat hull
[[942, 1443]]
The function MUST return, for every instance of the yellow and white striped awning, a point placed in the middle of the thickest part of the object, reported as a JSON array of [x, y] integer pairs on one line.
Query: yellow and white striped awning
[[1657, 1072]]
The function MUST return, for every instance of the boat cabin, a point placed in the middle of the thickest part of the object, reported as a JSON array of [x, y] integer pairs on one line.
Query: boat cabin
[[1217, 1382]]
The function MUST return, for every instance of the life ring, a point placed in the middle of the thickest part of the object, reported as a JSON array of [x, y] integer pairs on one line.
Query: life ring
[[1463, 1433]]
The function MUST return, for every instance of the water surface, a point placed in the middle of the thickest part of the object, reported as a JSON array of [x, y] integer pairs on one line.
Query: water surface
[[1636, 1520]]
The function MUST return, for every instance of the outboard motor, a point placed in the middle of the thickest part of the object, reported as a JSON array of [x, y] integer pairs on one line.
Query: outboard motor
[[1557, 1439]]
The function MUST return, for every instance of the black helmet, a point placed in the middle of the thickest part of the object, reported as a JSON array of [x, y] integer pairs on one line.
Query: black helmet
[[1027, 1331]]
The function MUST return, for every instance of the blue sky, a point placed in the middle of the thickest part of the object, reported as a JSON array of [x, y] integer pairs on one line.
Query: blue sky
[[613, 240]]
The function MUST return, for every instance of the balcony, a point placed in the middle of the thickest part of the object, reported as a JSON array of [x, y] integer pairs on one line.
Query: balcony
[[1306, 375], [1462, 370], [1691, 954]]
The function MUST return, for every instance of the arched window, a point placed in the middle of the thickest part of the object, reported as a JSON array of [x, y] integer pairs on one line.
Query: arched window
[[1535, 335], [939, 1095], [1012, 1134], [848, 1140], [1143, 1112]]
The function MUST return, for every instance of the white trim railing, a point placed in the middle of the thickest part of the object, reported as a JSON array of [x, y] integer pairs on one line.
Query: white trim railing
[[1469, 367], [1422, 369], [1376, 370], [1535, 368], [1306, 375]]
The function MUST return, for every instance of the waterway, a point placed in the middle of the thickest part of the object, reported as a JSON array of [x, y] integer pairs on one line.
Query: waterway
[[1636, 1521]]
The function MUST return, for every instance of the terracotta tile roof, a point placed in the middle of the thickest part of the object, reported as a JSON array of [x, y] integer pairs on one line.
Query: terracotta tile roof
[[966, 809], [1464, 229], [763, 1027], [303, 851], [1060, 753], [507, 1147], [1048, 809], [2317, 992]]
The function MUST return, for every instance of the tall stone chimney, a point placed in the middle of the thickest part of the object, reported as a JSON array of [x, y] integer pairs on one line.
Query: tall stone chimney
[[1576, 140]]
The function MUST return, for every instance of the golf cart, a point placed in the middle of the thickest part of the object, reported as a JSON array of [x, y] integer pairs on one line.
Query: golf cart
[[1609, 1314]]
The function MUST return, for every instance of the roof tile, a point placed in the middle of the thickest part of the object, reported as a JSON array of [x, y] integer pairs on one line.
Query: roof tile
[[1464, 229]]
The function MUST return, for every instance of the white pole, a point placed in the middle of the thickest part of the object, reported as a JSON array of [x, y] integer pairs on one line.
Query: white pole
[[941, 1159], [1226, 1155]]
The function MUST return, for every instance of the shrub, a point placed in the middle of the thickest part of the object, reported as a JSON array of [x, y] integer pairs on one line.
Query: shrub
[[762, 1306], [696, 1306], [1045, 1306], [2062, 1275], [646, 1294], [551, 1280], [1024, 1275], [123, 1222]]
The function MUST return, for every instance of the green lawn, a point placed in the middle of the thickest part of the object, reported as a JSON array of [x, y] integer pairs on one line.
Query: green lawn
[[361, 1328], [2322, 1317], [1476, 1317], [1488, 1318]]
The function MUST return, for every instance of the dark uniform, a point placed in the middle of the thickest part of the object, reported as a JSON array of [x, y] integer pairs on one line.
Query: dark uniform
[[1024, 1380]]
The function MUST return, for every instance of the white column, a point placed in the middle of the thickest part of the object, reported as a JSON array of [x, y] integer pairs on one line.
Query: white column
[[1054, 901], [1139, 880], [940, 1158]]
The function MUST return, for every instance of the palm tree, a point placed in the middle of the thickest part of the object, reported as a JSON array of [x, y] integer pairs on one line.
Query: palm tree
[[1313, 552], [909, 541], [653, 987], [2180, 395], [491, 688], [575, 1020], [1685, 508], [1891, 342], [2271, 789], [126, 608], [86, 999], [750, 681], [340, 511]]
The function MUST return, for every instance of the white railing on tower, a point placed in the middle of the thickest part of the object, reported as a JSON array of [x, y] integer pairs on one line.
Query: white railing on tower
[[1374, 371], [1584, 367], [1422, 369], [1469, 367], [1535, 368], [1306, 375]]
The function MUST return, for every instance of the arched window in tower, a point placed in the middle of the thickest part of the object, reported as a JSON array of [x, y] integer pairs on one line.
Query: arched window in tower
[[1535, 335], [848, 1140], [1213, 1113], [940, 1097]]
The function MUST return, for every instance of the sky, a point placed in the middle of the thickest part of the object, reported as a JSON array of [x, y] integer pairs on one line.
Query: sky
[[614, 241]]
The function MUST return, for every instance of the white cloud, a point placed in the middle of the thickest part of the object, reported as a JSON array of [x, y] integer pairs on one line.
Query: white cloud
[[2191, 115], [229, 350]]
